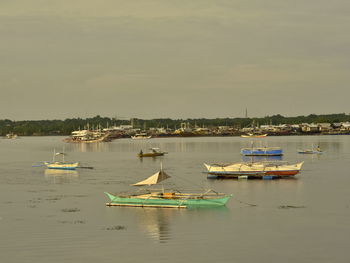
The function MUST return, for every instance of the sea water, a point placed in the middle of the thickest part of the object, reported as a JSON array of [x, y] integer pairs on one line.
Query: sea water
[[56, 216]]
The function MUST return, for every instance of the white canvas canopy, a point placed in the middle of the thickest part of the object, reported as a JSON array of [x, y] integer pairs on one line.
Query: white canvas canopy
[[153, 179]]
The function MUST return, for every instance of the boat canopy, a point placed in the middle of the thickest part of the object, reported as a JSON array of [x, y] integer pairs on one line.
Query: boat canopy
[[154, 179]]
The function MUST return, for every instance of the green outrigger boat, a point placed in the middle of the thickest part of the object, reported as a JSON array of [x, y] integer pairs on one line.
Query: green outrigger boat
[[167, 198]]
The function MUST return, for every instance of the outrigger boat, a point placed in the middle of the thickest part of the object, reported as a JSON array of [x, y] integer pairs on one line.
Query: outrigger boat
[[166, 198], [262, 151], [11, 136], [263, 170], [252, 135], [61, 165], [141, 136], [88, 136], [154, 152], [310, 152]]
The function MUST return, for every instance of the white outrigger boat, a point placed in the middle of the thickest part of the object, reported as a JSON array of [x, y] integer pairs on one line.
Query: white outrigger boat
[[250, 170], [141, 136], [252, 135], [61, 165]]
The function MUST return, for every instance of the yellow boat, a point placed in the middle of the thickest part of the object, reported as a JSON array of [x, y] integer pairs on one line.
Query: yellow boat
[[153, 153]]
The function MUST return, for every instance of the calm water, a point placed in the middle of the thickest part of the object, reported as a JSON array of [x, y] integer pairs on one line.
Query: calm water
[[53, 217]]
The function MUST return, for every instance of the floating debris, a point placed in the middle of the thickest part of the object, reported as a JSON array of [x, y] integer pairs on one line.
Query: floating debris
[[72, 222], [79, 195], [239, 201], [55, 198], [290, 206], [35, 201], [70, 210], [116, 228]]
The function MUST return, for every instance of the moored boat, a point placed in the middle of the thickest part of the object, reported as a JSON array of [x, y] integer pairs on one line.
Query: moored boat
[[253, 170], [61, 165], [310, 152], [252, 135], [141, 136], [166, 198], [153, 153], [88, 136], [262, 151], [11, 136]]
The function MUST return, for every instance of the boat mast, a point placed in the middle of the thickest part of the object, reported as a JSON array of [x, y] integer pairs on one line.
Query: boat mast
[[63, 155]]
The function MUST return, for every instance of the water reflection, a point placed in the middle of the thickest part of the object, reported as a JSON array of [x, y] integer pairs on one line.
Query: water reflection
[[261, 158], [61, 176], [156, 222], [154, 159], [92, 147]]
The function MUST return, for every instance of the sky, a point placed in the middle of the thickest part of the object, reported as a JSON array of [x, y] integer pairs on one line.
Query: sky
[[173, 58]]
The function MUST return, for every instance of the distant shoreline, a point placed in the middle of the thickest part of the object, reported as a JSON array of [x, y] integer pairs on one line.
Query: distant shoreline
[[276, 125]]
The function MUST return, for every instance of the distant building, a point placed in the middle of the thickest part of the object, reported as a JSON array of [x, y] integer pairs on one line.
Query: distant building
[[324, 127], [309, 127]]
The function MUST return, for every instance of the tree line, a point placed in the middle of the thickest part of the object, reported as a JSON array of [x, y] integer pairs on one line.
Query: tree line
[[65, 127]]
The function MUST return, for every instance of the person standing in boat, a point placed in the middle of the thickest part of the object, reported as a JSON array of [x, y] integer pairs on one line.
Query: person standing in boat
[[318, 148]]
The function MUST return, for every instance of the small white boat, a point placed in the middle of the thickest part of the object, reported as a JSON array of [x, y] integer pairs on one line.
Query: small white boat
[[61, 165], [11, 136], [252, 135], [141, 136], [311, 151]]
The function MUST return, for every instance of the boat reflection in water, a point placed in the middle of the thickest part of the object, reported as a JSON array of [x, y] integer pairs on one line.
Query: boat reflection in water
[[156, 222], [61, 176], [261, 158]]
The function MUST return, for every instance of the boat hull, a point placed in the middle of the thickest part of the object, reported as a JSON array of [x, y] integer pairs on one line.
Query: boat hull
[[261, 152], [309, 152], [141, 137], [150, 154], [254, 136], [252, 170], [166, 202], [59, 166]]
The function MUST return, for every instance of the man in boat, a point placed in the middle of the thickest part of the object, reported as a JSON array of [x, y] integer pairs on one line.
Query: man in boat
[[318, 148], [141, 152]]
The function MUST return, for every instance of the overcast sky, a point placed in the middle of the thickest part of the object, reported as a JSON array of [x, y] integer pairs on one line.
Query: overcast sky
[[173, 58]]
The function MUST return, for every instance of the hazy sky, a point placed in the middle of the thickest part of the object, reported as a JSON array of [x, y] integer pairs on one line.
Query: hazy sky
[[173, 58]]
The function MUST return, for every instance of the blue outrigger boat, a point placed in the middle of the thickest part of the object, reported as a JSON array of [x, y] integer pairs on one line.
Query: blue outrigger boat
[[262, 151]]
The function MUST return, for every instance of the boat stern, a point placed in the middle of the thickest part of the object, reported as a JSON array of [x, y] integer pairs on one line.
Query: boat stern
[[110, 196], [207, 166]]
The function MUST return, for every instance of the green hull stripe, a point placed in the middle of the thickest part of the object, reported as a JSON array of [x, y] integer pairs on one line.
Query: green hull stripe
[[128, 201]]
